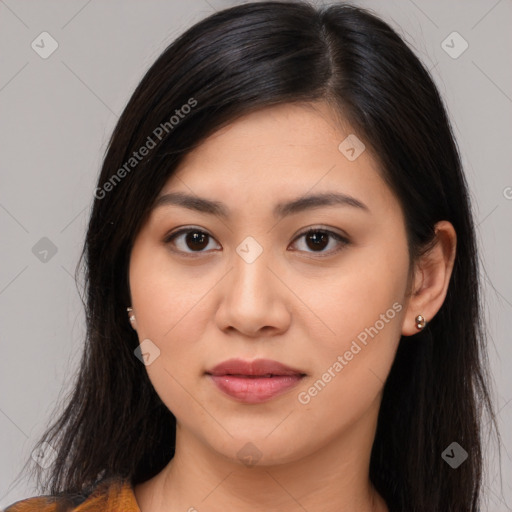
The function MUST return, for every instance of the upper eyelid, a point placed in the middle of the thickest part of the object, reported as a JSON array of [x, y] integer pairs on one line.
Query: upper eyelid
[[305, 231], [343, 238]]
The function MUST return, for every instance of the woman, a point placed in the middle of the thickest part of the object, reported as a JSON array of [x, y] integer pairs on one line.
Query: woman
[[283, 305]]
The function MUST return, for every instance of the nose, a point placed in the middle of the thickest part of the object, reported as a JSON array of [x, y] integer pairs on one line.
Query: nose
[[253, 299]]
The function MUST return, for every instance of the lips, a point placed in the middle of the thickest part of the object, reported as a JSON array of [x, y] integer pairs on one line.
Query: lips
[[253, 382], [256, 368]]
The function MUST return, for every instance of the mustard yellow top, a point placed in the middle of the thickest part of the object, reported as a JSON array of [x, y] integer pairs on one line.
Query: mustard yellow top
[[114, 495]]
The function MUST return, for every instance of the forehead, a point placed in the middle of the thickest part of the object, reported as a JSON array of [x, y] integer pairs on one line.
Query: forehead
[[286, 132], [277, 153]]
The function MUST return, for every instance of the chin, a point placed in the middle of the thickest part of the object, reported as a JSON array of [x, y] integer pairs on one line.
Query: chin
[[260, 450]]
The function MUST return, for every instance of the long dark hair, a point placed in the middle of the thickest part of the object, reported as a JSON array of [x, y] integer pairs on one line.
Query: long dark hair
[[236, 61]]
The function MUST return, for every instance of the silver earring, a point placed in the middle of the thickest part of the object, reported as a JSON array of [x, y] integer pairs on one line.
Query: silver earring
[[132, 317]]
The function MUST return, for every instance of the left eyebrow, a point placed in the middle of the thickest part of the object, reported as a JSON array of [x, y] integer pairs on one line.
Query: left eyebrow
[[283, 209]]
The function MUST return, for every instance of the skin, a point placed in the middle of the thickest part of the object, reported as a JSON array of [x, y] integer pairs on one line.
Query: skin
[[291, 305]]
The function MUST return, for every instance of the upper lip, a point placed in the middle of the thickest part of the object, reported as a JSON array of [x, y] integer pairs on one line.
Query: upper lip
[[256, 367]]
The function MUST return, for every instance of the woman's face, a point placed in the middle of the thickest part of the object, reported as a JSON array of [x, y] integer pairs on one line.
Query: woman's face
[[252, 285]]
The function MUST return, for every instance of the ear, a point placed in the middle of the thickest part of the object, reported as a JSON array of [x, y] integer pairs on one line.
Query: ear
[[431, 278]]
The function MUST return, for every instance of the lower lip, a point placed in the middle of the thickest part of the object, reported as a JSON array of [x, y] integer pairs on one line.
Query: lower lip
[[254, 390]]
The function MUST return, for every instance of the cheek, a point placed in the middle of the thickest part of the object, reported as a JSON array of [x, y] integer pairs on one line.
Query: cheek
[[350, 367], [170, 314], [361, 309], [168, 299], [355, 295]]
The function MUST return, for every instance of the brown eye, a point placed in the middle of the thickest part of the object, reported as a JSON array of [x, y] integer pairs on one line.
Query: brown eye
[[196, 240], [189, 240], [318, 239]]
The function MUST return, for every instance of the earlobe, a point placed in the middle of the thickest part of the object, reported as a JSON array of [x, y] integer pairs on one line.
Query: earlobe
[[433, 275]]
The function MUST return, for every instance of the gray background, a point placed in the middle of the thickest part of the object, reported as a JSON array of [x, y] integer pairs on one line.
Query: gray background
[[57, 114]]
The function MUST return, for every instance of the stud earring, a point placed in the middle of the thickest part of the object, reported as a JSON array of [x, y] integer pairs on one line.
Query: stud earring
[[132, 317], [420, 322]]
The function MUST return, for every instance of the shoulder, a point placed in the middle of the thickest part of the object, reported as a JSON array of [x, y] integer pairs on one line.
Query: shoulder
[[112, 495], [40, 503]]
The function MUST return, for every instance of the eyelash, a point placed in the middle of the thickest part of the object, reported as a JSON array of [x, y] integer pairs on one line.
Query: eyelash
[[343, 241]]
